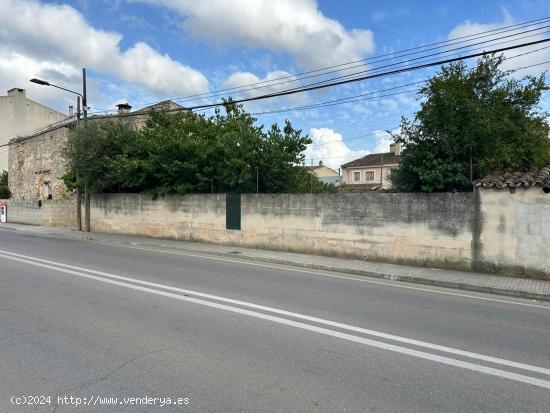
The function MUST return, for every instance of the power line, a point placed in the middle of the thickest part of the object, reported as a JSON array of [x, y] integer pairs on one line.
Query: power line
[[296, 77], [468, 45], [31, 131], [503, 29], [394, 127], [51, 129], [350, 99], [372, 76], [357, 79], [422, 58]]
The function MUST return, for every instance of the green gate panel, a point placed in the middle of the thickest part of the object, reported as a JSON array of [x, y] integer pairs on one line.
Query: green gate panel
[[233, 211]]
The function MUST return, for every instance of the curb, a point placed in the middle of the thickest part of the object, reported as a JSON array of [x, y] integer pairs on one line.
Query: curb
[[402, 278], [93, 237]]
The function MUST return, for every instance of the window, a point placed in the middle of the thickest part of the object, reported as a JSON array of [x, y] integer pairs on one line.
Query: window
[[369, 175], [357, 176]]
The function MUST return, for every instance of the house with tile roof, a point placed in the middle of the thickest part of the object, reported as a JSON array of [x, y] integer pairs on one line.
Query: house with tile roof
[[325, 174], [371, 172]]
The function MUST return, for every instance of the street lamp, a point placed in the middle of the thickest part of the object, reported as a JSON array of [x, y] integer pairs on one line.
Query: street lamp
[[82, 95], [85, 112]]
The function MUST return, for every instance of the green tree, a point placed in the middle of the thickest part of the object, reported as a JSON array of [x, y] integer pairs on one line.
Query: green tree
[[4, 189], [188, 152], [471, 123], [97, 155]]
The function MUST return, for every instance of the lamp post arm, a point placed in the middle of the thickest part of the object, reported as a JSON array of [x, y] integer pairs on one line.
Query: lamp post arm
[[68, 90]]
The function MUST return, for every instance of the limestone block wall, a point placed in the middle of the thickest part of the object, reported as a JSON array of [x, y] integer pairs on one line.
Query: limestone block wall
[[37, 165], [52, 213], [198, 217]]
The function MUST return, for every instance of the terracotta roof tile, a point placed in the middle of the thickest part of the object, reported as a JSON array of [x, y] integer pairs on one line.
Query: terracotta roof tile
[[361, 186], [374, 159], [532, 177]]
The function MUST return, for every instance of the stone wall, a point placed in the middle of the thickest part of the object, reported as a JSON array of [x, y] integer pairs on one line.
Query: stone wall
[[52, 213], [514, 233], [37, 162], [36, 166], [422, 229], [490, 230]]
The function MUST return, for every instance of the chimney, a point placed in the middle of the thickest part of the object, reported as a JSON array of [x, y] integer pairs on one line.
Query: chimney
[[320, 163], [16, 92], [70, 111], [123, 108], [395, 148]]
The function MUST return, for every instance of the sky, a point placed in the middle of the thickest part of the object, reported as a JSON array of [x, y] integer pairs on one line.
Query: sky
[[145, 51]]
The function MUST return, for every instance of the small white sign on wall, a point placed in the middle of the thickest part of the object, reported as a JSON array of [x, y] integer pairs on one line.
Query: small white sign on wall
[[3, 213]]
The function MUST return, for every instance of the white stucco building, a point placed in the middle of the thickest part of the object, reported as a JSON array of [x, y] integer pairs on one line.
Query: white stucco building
[[18, 116], [371, 171]]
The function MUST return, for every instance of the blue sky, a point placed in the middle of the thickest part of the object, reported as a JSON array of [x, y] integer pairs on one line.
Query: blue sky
[[143, 51]]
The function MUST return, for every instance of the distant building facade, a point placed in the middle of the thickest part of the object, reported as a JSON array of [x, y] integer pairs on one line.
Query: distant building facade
[[325, 174], [371, 172], [19, 115]]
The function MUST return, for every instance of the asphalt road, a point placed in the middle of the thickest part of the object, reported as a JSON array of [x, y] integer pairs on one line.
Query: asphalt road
[[97, 322]]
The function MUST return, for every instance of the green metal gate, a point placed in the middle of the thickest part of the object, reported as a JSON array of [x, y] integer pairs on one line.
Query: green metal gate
[[233, 210]]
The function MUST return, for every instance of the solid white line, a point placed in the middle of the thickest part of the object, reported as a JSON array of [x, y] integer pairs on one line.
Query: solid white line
[[387, 282], [414, 342], [372, 343]]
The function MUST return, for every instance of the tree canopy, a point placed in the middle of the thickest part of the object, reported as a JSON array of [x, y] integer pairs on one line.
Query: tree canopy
[[4, 189], [472, 122], [187, 152]]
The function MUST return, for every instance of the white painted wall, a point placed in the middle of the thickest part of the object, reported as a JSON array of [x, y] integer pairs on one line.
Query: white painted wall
[[515, 230], [19, 115], [348, 176]]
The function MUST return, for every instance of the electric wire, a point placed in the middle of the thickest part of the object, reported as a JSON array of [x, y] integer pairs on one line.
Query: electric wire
[[398, 54]]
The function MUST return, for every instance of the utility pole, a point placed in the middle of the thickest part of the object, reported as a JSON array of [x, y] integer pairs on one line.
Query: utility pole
[[78, 197], [85, 112], [257, 181], [86, 191]]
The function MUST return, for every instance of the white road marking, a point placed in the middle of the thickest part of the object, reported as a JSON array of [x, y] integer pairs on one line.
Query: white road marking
[[373, 343], [387, 282], [289, 268]]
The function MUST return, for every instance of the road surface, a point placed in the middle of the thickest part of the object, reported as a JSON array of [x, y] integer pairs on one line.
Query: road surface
[[124, 328]]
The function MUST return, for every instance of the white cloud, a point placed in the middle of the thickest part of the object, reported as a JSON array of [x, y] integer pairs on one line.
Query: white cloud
[[328, 146], [59, 38], [383, 141], [471, 28], [296, 27]]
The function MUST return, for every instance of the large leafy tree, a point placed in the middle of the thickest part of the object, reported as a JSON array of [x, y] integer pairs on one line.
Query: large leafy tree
[[4, 189], [187, 152], [472, 122]]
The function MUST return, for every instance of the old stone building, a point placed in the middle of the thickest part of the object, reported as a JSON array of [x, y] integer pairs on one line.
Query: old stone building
[[37, 164]]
